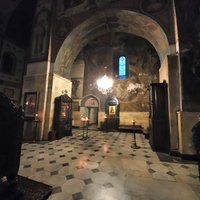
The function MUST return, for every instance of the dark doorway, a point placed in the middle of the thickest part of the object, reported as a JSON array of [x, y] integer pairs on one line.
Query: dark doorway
[[93, 115], [158, 118]]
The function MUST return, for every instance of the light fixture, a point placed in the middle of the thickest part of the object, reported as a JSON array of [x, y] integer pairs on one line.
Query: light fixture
[[104, 84]]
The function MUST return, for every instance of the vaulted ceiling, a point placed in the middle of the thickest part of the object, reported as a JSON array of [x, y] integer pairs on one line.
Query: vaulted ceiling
[[16, 19]]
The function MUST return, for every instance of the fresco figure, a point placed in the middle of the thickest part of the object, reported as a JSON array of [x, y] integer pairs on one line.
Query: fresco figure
[[191, 73], [40, 33], [152, 6], [75, 86]]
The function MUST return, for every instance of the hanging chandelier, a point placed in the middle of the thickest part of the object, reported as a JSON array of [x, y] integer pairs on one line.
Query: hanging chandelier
[[104, 84]]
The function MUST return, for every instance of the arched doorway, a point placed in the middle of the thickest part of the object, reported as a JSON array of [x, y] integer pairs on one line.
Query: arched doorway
[[90, 108]]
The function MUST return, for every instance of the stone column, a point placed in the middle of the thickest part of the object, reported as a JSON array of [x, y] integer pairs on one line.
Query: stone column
[[186, 120], [174, 99], [41, 79]]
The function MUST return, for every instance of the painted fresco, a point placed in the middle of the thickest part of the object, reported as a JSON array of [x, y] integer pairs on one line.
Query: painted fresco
[[154, 6], [73, 7], [83, 20], [143, 69], [191, 74], [189, 39], [77, 88], [40, 32]]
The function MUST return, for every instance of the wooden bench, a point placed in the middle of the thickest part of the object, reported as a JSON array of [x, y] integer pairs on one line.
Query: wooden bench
[[131, 128], [135, 129]]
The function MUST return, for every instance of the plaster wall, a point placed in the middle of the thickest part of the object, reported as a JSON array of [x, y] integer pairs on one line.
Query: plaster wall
[[77, 79], [77, 70], [185, 122], [141, 118], [35, 83], [76, 118], [163, 71], [40, 79], [100, 118], [36, 68], [143, 65]]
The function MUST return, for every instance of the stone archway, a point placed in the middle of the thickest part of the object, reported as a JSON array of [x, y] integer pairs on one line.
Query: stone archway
[[90, 100], [103, 22], [111, 20], [114, 20], [89, 106]]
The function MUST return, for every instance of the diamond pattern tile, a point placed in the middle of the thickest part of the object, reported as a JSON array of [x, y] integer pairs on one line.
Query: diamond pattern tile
[[184, 166], [77, 196], [88, 181], [171, 173], [54, 173], [56, 190], [113, 174], [68, 177], [108, 185], [65, 164], [52, 161], [105, 167], [95, 170], [151, 171], [39, 169]]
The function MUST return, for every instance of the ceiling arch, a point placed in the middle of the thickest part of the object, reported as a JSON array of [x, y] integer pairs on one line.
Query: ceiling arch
[[104, 22]]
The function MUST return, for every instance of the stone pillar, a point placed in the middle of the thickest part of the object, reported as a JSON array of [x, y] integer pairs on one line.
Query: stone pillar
[[174, 99], [169, 72], [41, 79], [36, 80], [186, 120]]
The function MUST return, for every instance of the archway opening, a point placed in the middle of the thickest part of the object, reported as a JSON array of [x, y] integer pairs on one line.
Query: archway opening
[[110, 24], [110, 21], [89, 108]]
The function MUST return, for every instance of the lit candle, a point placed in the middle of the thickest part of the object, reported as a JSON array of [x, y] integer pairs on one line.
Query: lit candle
[[133, 121], [36, 116]]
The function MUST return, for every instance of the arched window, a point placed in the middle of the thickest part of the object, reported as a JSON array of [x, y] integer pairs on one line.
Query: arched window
[[8, 63], [122, 66]]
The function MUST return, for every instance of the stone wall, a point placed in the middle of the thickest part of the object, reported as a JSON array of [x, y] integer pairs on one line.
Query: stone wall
[[11, 83], [143, 69], [186, 121], [141, 118]]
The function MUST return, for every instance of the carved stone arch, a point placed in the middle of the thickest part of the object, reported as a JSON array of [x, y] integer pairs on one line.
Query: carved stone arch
[[118, 21], [89, 107], [90, 101]]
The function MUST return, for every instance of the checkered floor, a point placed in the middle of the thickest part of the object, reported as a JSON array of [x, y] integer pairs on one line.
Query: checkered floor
[[105, 167]]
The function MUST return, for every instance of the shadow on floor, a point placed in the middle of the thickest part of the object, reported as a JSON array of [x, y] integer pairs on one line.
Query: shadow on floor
[[172, 159]]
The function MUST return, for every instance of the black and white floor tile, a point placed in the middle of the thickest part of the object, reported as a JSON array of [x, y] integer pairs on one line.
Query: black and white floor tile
[[105, 167]]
